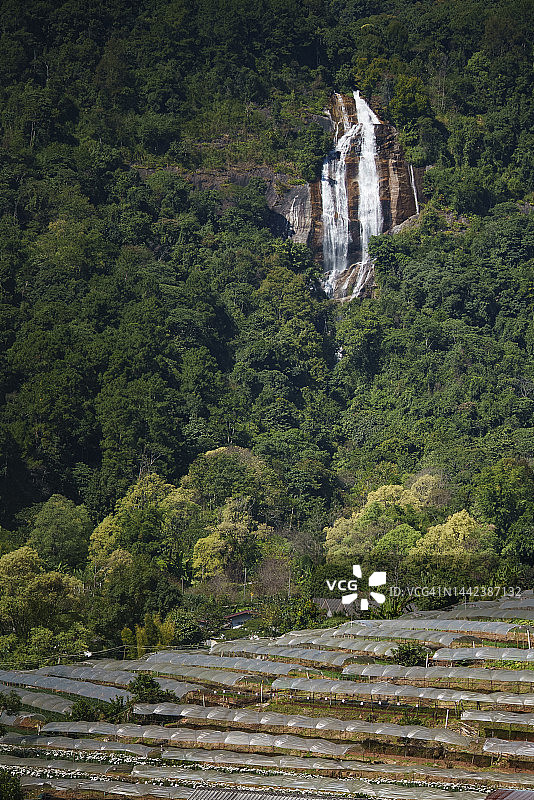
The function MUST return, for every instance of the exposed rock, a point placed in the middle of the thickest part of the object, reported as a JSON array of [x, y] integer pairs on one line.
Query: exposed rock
[[295, 207], [296, 212], [403, 226], [396, 193]]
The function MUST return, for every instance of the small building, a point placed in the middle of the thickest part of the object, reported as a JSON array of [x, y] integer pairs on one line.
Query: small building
[[239, 618]]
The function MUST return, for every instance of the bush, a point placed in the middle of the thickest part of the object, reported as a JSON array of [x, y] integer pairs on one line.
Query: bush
[[10, 788], [87, 710], [10, 703], [411, 655], [146, 689]]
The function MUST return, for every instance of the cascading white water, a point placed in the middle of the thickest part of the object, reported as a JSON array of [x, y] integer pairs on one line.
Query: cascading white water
[[414, 189], [369, 207], [334, 197], [335, 205]]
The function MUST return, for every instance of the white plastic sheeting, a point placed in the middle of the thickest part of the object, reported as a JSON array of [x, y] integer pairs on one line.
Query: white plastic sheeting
[[257, 760], [274, 719], [40, 700], [499, 718], [209, 736], [379, 689], [117, 677], [329, 641], [222, 662], [484, 654], [87, 767], [406, 771], [284, 741], [107, 787], [85, 673], [180, 688], [81, 745], [109, 729], [510, 609], [268, 719], [415, 772], [210, 779], [204, 674], [457, 626], [504, 747], [116, 664], [322, 657], [360, 644], [440, 673], [66, 685], [308, 783]]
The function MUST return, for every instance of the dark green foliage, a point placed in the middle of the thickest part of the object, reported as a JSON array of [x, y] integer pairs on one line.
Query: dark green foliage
[[93, 710], [411, 655], [187, 629], [10, 788], [451, 333], [146, 689], [218, 477], [60, 533], [10, 703], [146, 322], [85, 709], [278, 618], [131, 591], [149, 326]]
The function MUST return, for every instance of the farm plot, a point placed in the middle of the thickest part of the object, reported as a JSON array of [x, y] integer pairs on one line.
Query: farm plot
[[279, 739]]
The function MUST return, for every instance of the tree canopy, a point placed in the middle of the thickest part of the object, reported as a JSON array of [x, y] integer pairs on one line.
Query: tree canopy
[[189, 421]]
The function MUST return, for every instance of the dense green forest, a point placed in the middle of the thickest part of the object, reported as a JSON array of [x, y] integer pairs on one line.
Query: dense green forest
[[188, 424]]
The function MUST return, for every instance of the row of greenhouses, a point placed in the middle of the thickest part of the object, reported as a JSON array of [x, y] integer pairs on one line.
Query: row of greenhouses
[[39, 700], [323, 658], [360, 640], [362, 627], [484, 654], [435, 673], [81, 688], [149, 780], [381, 690], [265, 719], [265, 667]]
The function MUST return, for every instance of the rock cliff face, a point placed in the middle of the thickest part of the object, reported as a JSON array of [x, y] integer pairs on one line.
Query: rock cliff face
[[302, 207], [297, 213], [295, 207]]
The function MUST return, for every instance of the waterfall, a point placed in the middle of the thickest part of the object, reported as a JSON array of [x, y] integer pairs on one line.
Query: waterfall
[[369, 207], [414, 189], [335, 204]]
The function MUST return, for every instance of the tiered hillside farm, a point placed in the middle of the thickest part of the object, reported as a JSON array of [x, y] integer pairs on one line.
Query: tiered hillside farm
[[324, 713]]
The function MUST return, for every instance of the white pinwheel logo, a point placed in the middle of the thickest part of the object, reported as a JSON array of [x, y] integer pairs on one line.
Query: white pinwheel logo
[[375, 579]]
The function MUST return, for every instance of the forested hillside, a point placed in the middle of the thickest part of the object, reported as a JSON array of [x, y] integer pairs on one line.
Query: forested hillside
[[187, 422]]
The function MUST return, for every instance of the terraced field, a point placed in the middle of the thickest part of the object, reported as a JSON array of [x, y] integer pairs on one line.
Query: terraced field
[[318, 713]]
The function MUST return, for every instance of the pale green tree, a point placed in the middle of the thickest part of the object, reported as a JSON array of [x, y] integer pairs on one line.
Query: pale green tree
[[233, 545], [429, 491], [103, 541], [31, 597], [461, 547], [154, 518], [355, 536]]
